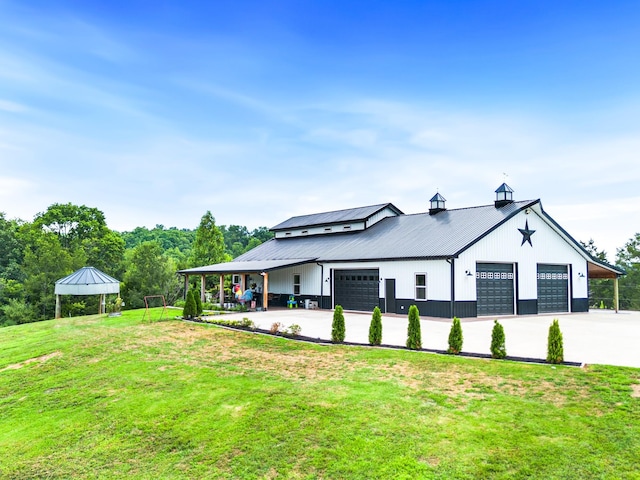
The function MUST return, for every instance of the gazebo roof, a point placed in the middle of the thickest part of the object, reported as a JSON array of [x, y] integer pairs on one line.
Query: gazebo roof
[[87, 281]]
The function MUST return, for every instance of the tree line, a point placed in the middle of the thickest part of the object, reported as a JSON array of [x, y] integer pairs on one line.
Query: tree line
[[67, 237]]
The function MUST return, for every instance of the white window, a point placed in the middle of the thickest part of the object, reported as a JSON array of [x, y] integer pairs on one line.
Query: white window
[[421, 286], [296, 284]]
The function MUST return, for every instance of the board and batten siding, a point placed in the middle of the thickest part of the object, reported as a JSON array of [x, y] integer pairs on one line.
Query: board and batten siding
[[373, 219], [281, 281], [438, 276], [504, 245]]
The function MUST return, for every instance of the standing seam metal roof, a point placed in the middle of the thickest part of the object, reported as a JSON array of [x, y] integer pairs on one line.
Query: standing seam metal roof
[[87, 281]]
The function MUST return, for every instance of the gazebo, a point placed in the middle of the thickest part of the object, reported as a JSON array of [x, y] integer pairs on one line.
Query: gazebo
[[86, 281]]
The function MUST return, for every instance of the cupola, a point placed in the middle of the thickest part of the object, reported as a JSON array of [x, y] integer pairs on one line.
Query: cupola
[[437, 204], [504, 195]]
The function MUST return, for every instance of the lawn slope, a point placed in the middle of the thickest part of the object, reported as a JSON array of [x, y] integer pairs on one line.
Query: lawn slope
[[100, 397]]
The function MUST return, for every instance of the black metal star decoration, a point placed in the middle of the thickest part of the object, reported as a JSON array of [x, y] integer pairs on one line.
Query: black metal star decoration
[[526, 233]]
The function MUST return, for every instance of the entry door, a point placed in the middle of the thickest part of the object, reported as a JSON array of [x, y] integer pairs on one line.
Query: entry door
[[357, 289], [495, 288], [553, 288], [390, 295]]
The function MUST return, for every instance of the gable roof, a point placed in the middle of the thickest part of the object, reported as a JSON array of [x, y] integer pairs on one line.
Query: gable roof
[[443, 235], [338, 216]]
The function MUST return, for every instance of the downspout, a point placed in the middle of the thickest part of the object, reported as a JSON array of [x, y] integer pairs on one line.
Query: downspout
[[321, 283], [450, 261]]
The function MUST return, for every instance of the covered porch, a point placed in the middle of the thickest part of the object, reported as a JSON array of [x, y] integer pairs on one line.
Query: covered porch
[[602, 271], [243, 274]]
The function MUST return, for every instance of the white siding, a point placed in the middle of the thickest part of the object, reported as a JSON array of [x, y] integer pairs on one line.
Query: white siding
[[281, 281], [504, 245], [373, 219], [321, 230]]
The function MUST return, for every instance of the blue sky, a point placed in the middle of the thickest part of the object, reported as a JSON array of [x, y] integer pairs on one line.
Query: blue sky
[[155, 112]]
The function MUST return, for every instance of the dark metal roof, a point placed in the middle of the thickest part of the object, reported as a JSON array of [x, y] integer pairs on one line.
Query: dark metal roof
[[251, 266], [338, 216], [504, 188], [442, 235]]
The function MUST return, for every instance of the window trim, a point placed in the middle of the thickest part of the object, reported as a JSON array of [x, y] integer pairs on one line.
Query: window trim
[[420, 287], [297, 284]]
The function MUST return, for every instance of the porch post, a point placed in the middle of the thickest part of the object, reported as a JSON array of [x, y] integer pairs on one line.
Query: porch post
[[58, 307], [221, 295], [265, 291], [186, 286], [202, 285], [616, 298]]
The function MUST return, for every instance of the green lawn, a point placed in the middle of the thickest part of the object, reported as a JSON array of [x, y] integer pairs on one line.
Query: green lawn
[[100, 397]]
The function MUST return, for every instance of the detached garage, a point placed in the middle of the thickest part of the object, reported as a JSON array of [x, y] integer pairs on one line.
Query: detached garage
[[505, 258]]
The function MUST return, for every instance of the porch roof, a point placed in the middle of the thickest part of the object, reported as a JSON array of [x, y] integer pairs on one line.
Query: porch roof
[[249, 266]]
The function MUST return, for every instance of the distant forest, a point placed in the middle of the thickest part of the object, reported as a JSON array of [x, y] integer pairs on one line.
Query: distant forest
[[66, 237]]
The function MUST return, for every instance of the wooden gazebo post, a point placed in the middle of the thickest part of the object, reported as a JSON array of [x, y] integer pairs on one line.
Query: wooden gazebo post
[[616, 297], [202, 287]]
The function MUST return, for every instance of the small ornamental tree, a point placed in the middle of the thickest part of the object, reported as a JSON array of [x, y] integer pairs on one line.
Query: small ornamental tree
[[414, 338], [337, 326], [455, 337], [498, 348], [375, 329], [198, 300], [189, 310], [555, 350]]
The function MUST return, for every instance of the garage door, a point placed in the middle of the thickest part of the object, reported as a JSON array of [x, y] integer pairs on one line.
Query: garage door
[[494, 288], [553, 288], [357, 289]]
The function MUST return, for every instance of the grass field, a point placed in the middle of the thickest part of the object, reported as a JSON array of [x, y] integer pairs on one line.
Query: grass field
[[100, 397]]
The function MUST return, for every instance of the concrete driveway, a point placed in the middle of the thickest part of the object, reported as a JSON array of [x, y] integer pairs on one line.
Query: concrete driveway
[[600, 336]]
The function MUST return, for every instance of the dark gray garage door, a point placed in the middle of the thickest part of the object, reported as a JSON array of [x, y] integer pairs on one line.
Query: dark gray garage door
[[494, 288], [357, 289], [553, 288]]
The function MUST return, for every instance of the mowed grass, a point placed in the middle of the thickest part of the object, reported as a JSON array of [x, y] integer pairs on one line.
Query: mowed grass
[[100, 397]]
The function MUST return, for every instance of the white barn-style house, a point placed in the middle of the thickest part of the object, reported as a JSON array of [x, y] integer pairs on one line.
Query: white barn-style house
[[506, 258]]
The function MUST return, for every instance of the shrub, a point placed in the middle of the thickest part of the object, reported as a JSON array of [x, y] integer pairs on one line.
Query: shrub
[[198, 300], [276, 327], [294, 330], [189, 310], [498, 348], [555, 350], [179, 303], [337, 326], [455, 337], [375, 329], [414, 337]]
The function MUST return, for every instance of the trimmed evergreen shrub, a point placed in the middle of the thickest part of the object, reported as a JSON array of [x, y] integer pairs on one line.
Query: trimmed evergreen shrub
[[414, 338], [455, 337], [189, 310], [198, 300], [555, 350], [498, 348], [337, 326], [375, 329]]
